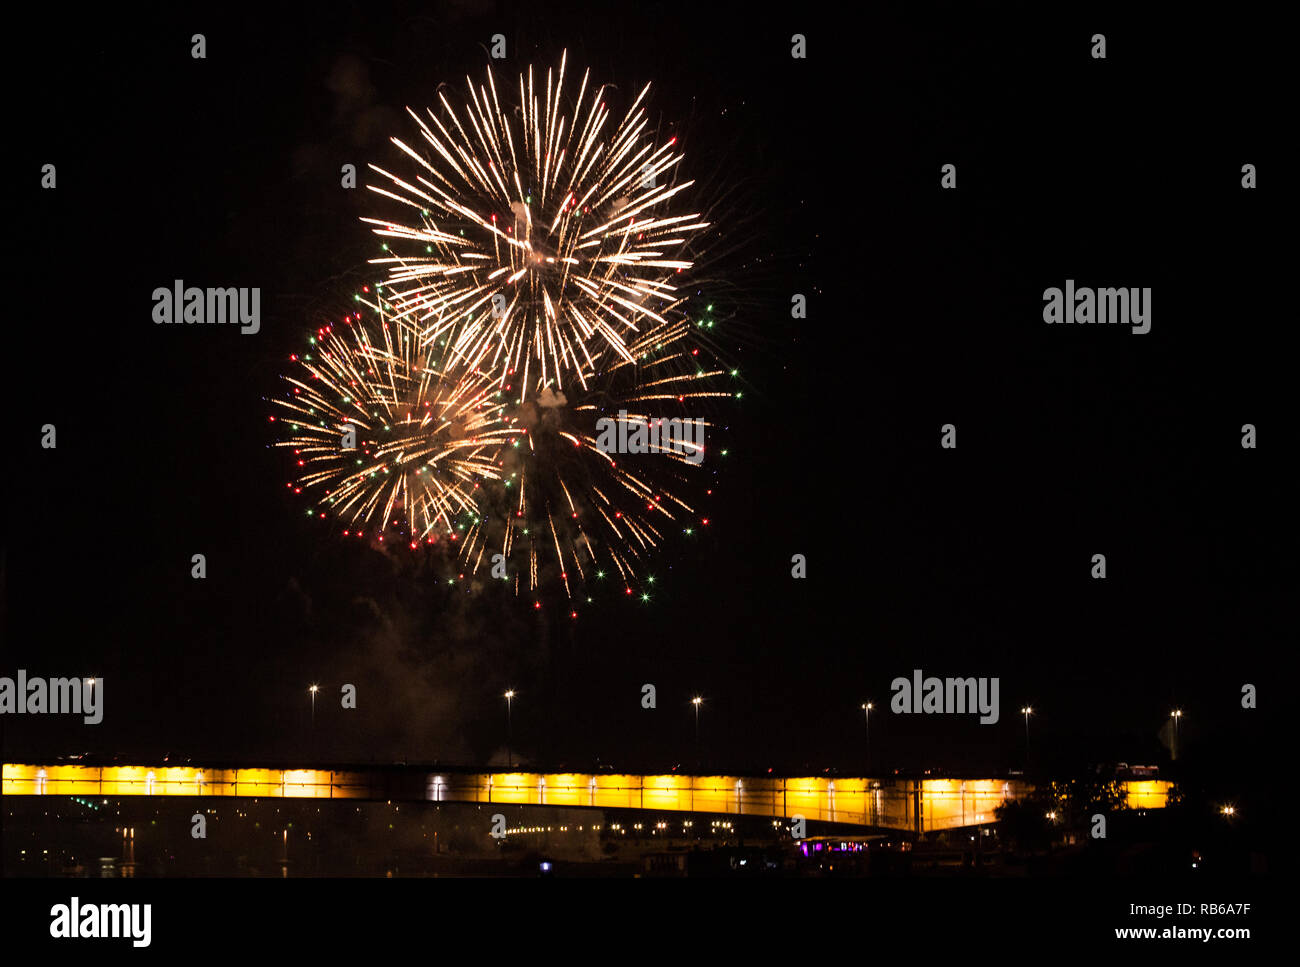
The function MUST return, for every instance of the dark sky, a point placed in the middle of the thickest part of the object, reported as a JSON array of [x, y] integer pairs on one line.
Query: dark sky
[[925, 308]]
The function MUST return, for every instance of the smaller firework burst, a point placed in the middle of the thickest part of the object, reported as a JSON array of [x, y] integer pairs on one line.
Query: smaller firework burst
[[562, 507], [387, 438]]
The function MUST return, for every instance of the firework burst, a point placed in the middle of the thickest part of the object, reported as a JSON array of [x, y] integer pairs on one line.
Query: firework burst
[[530, 296], [564, 508], [542, 242], [382, 433]]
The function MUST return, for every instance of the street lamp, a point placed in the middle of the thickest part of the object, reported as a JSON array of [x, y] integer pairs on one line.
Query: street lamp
[[1026, 712], [313, 689], [697, 702], [509, 727], [866, 715], [1176, 714]]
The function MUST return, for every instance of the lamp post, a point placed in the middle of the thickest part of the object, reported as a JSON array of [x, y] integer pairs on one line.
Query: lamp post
[[1026, 712], [866, 715], [509, 728], [1176, 714], [313, 689], [697, 702]]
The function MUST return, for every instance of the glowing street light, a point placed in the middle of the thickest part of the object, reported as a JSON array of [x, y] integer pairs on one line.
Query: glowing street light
[[866, 715], [313, 689], [1026, 712], [697, 702], [1176, 714], [509, 727]]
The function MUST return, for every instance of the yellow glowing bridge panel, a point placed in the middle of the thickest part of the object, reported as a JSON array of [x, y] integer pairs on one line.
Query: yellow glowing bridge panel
[[942, 803]]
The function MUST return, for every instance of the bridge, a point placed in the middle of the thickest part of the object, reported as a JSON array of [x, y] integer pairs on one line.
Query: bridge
[[918, 805]]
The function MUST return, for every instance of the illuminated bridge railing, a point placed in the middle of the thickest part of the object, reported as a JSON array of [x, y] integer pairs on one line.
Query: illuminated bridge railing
[[942, 803]]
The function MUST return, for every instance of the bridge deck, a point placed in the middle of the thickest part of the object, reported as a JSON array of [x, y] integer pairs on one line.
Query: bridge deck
[[913, 804]]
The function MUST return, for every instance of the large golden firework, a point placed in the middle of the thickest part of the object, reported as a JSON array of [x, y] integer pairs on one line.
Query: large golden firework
[[539, 242]]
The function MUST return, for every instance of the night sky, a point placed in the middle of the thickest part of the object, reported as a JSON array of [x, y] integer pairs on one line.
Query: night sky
[[925, 307]]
